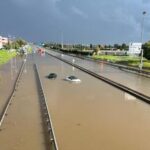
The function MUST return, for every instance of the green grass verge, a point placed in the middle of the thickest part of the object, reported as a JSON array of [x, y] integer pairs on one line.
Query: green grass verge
[[146, 64], [117, 58], [5, 56], [125, 60]]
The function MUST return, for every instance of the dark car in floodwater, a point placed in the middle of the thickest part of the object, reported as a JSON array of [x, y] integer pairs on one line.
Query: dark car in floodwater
[[52, 76]]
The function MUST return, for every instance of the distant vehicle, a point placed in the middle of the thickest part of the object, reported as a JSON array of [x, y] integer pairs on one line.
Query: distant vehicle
[[73, 79], [41, 51], [52, 76]]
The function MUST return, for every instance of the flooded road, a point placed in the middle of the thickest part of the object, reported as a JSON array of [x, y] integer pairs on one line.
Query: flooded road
[[22, 128], [93, 114], [8, 74], [133, 81]]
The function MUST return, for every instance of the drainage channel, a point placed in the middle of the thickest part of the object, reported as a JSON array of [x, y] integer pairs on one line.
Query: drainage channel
[[9, 100], [46, 114], [138, 95]]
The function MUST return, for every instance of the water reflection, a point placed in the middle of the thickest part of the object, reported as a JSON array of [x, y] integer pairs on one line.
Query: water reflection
[[73, 68], [129, 97], [25, 68], [73, 60], [62, 68], [101, 67], [13, 68]]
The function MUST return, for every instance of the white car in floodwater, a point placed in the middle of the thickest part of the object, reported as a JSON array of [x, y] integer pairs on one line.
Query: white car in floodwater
[[73, 79]]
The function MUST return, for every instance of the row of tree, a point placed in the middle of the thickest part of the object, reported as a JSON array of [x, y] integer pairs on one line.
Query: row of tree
[[88, 47], [146, 48], [15, 44], [122, 46], [97, 48]]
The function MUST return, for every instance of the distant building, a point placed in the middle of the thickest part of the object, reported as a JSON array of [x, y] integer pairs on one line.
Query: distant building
[[1, 46], [3, 41], [134, 48], [113, 52]]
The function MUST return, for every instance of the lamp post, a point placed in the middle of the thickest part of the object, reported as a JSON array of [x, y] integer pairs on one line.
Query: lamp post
[[142, 30], [62, 37]]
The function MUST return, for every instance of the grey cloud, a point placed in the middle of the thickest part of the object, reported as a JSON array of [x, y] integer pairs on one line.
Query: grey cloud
[[145, 1], [97, 21], [79, 12]]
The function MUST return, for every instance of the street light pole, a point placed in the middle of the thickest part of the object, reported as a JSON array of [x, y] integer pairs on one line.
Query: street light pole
[[142, 30], [9, 42], [62, 44]]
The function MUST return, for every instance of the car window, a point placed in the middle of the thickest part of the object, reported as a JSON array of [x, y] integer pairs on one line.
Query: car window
[[72, 77]]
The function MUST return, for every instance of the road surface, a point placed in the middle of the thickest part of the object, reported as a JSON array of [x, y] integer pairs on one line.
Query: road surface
[[131, 80]]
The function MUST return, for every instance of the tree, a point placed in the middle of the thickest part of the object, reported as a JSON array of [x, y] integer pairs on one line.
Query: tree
[[7, 46], [124, 46], [106, 46], [146, 48], [20, 42], [15, 44], [117, 46], [109, 46], [97, 50], [100, 46], [91, 46]]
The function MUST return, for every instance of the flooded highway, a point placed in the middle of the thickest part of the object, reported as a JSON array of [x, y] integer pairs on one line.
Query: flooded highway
[[93, 114], [8, 74], [131, 80], [22, 127]]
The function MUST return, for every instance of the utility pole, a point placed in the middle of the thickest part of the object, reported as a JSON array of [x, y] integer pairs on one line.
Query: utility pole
[[9, 42], [142, 31], [62, 45]]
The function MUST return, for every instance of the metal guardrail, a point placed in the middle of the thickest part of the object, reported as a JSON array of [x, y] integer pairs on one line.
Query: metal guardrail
[[123, 67], [46, 114], [138, 95], [8, 103]]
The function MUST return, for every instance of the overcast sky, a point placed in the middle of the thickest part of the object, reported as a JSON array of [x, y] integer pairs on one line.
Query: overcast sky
[[80, 21]]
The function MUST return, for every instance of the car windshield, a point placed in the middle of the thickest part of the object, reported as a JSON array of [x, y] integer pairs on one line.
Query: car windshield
[[73, 77], [52, 74]]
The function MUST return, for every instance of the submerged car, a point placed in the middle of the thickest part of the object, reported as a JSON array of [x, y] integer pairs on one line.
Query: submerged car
[[73, 79], [52, 76]]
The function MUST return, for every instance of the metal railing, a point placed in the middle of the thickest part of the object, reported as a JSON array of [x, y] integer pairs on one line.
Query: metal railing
[[9, 100], [46, 114], [123, 67]]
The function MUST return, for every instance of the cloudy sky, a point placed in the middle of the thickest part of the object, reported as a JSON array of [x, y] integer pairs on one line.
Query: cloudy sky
[[79, 21]]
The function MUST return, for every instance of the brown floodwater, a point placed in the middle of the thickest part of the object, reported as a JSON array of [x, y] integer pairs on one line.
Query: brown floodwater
[[22, 128], [8, 74], [131, 80], [93, 115]]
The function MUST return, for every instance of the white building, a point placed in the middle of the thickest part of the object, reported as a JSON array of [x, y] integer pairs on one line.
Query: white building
[[3, 41], [135, 48], [1, 46]]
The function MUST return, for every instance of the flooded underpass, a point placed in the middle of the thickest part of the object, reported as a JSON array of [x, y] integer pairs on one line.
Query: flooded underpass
[[93, 114], [131, 80]]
